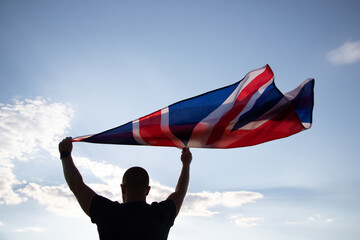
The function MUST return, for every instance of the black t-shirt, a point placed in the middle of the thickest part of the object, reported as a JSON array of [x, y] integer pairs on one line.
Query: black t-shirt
[[133, 220]]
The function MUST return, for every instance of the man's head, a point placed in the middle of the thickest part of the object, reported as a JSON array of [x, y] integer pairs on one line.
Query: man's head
[[135, 184]]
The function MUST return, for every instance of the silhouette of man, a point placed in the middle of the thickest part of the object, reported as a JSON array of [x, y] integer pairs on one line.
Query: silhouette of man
[[134, 218]]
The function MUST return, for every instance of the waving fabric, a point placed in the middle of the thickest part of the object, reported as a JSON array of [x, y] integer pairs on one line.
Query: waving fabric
[[246, 113]]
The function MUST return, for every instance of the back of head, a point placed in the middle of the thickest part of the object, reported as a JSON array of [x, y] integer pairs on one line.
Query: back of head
[[136, 179]]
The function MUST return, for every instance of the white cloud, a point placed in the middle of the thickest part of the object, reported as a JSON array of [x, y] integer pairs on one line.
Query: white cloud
[[247, 222], [25, 128], [200, 204], [56, 199], [30, 229], [7, 181], [1, 224], [59, 200], [107, 173], [195, 204], [347, 53], [315, 219], [319, 218]]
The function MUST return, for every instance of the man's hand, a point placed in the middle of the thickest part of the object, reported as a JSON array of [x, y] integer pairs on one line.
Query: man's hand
[[65, 147], [186, 156]]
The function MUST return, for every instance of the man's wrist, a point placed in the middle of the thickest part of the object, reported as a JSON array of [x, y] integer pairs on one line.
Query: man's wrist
[[64, 154], [187, 164]]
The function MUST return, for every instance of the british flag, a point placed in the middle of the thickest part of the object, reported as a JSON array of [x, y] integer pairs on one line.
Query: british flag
[[246, 113]]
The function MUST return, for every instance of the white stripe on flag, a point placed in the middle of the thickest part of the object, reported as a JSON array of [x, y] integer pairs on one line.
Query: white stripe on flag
[[166, 130], [207, 124], [274, 110], [266, 116], [292, 94], [254, 124], [251, 103], [136, 132]]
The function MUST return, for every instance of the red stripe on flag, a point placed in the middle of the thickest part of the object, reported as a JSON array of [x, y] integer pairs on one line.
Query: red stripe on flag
[[282, 125], [241, 101], [151, 132]]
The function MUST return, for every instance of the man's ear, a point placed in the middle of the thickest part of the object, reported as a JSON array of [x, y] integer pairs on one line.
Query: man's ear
[[123, 190], [148, 190]]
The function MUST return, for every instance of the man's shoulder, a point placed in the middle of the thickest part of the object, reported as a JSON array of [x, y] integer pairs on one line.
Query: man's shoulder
[[167, 205], [164, 202], [100, 206]]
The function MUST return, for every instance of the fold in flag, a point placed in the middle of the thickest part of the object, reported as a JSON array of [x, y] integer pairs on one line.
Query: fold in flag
[[246, 113]]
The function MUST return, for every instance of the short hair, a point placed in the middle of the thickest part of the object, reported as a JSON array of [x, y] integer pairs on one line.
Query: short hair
[[136, 179]]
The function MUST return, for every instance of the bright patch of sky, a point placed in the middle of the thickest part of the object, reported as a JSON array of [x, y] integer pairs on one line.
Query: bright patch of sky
[[80, 67]]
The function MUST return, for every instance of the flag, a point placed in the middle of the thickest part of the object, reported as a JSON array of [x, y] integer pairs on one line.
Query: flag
[[248, 112]]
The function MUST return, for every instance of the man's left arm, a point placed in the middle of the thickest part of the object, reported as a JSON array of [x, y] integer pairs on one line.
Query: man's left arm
[[82, 192], [183, 181]]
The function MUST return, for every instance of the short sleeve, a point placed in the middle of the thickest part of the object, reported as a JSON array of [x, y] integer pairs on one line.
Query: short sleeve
[[100, 207], [168, 208]]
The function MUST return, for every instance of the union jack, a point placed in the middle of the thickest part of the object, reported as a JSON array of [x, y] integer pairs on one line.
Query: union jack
[[248, 112]]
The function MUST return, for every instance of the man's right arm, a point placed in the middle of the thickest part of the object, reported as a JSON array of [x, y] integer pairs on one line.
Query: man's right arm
[[183, 182], [82, 192]]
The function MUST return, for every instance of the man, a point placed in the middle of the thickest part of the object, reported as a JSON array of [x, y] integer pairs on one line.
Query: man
[[133, 219]]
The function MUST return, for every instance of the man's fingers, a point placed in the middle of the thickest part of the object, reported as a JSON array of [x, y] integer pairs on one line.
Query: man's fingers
[[186, 155], [66, 144], [185, 149]]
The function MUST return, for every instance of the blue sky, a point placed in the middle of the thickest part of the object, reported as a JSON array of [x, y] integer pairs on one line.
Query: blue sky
[[70, 68]]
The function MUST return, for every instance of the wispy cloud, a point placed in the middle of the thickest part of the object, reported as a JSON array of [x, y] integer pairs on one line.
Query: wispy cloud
[[314, 218], [59, 200], [25, 128], [56, 199], [317, 218], [246, 222], [347, 53], [195, 204], [7, 181], [30, 229], [200, 204]]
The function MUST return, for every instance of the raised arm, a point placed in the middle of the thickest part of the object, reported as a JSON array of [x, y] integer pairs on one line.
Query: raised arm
[[82, 192], [183, 182]]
